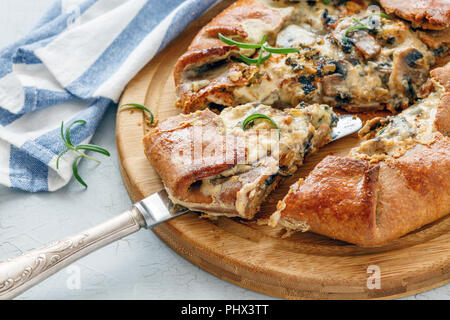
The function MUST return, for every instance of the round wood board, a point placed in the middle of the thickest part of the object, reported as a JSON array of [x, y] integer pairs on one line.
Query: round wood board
[[256, 257]]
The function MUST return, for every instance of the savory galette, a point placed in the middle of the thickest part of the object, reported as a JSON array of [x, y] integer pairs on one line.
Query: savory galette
[[283, 65]]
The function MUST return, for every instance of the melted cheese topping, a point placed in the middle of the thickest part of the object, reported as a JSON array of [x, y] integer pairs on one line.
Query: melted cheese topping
[[364, 77], [255, 29], [269, 150], [295, 36]]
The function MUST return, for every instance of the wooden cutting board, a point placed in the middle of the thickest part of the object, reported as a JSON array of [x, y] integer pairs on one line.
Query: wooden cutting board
[[256, 257]]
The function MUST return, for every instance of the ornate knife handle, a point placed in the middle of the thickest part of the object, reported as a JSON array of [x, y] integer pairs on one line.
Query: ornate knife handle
[[21, 273]]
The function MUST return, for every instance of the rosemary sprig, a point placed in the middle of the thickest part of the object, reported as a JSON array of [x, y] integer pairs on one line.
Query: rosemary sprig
[[254, 61], [255, 116], [239, 44], [141, 107], [262, 46], [86, 147], [75, 171], [279, 50], [384, 15]]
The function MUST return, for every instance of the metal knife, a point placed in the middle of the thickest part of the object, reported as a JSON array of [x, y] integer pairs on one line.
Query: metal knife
[[21, 273]]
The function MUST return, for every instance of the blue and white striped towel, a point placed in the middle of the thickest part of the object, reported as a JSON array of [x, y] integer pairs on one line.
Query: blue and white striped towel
[[74, 64]]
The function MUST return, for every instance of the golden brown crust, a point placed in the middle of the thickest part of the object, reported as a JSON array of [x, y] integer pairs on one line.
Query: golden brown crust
[[201, 57], [372, 204], [435, 39], [216, 87], [442, 75], [337, 199], [426, 14], [414, 190], [230, 23], [179, 149], [175, 135], [442, 120]]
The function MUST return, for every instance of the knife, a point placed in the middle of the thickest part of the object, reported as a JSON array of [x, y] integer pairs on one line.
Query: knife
[[21, 273]]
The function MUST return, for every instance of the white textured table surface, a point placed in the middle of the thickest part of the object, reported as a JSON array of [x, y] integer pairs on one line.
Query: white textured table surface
[[137, 267]]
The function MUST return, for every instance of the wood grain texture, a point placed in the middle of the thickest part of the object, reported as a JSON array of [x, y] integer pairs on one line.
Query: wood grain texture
[[256, 257]]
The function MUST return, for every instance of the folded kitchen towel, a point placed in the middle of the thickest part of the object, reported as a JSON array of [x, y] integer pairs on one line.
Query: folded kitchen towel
[[73, 65]]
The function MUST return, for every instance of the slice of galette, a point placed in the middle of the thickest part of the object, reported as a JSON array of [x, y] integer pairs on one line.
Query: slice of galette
[[227, 163]]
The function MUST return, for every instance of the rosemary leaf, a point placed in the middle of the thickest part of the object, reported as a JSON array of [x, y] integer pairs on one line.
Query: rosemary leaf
[[93, 148], [254, 61], [239, 44], [75, 171], [255, 116], [59, 157], [141, 107], [69, 142], [280, 50]]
